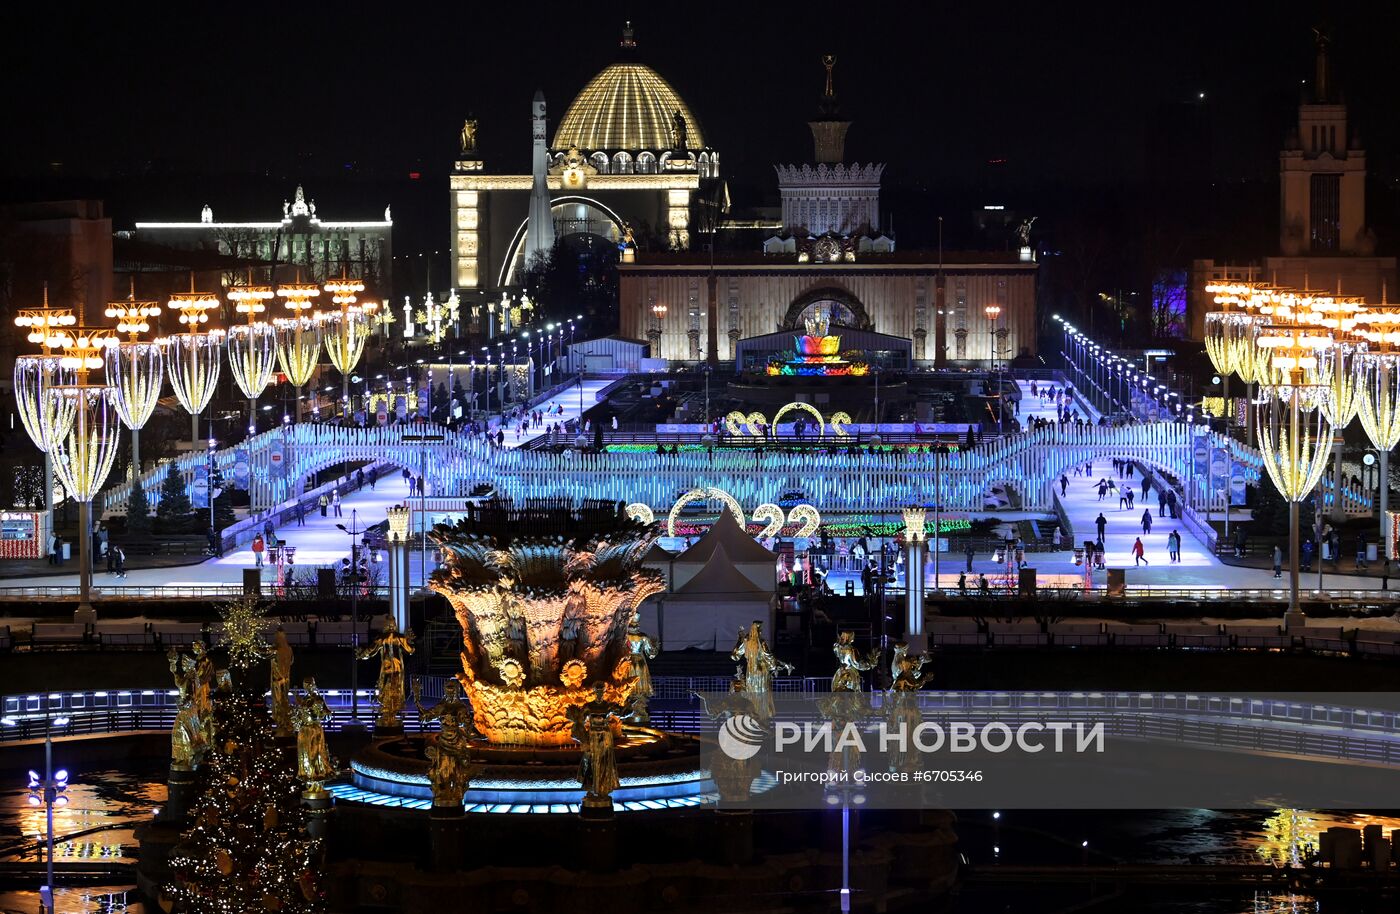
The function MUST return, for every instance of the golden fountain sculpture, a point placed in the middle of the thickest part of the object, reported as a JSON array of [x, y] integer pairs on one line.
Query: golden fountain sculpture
[[544, 620]]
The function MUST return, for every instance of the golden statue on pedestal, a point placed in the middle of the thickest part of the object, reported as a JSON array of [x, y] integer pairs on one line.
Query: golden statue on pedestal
[[642, 648], [281, 683], [314, 762], [391, 647], [449, 753], [593, 730], [907, 672], [759, 665], [189, 736], [849, 664]]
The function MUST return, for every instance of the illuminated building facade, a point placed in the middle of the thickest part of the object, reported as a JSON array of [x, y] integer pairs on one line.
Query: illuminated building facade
[[300, 242], [628, 153]]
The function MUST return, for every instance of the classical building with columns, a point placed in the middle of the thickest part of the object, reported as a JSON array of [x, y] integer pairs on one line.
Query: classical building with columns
[[832, 259], [628, 152]]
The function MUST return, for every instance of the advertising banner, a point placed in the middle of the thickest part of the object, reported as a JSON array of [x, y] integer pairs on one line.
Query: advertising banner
[[199, 492], [276, 460], [1236, 484], [240, 468]]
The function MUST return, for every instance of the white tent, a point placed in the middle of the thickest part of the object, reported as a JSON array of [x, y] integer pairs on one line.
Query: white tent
[[744, 552], [709, 610]]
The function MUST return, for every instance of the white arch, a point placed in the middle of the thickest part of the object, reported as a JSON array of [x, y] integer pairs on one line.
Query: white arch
[[517, 241]]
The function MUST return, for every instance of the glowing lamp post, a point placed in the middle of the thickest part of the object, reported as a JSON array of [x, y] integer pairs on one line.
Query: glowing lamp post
[[914, 545], [298, 336], [993, 312], [84, 450], [345, 342], [252, 346], [35, 374], [1296, 457], [193, 357], [1378, 378], [399, 516], [135, 369]]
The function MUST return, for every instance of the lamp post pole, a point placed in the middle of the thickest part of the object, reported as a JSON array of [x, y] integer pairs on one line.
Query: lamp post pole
[[354, 531]]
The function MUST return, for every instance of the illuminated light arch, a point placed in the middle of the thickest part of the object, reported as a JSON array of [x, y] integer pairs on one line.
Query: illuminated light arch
[[639, 511], [706, 494], [517, 241], [735, 423], [808, 517], [838, 423], [772, 515], [755, 422], [799, 405]]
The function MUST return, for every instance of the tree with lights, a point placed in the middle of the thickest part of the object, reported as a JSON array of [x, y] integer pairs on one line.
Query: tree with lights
[[248, 849]]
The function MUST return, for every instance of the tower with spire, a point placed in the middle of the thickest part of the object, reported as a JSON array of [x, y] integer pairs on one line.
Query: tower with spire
[[539, 230], [830, 196], [1322, 173]]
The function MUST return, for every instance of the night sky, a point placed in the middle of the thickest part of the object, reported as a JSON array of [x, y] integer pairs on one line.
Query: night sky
[[1069, 95]]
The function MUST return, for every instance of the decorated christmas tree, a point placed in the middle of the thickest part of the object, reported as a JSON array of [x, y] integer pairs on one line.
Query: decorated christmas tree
[[248, 849]]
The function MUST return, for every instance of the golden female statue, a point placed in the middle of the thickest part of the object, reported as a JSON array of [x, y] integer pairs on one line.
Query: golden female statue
[[449, 753], [391, 647], [187, 736], [849, 664], [281, 683], [907, 672], [759, 665], [593, 730], [642, 649], [314, 762]]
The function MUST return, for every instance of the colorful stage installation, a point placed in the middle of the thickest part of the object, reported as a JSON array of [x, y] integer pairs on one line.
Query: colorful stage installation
[[818, 354]]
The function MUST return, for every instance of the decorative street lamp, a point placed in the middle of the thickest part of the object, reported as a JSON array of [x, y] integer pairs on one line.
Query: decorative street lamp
[[298, 336], [85, 446], [193, 357], [993, 312], [1378, 380], [135, 369], [1295, 457], [34, 374], [252, 346], [345, 341]]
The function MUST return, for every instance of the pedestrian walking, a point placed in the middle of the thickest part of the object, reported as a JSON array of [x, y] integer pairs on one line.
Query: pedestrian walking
[[1146, 522], [1361, 552], [1128, 490], [121, 560], [1055, 537], [1161, 503], [1064, 485], [1171, 503], [1103, 489], [258, 547], [1102, 523], [1138, 553], [970, 552], [373, 478], [301, 513], [1122, 499], [335, 502], [1174, 546], [1146, 486], [1307, 555], [1278, 561], [53, 549], [324, 502]]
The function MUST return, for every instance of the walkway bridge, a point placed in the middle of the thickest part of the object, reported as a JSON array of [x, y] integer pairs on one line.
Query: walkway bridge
[[454, 464]]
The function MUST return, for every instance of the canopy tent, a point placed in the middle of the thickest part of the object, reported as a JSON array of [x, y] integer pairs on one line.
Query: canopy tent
[[710, 609], [743, 552]]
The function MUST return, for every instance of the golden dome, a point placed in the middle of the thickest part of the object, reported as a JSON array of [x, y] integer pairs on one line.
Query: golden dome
[[627, 106]]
